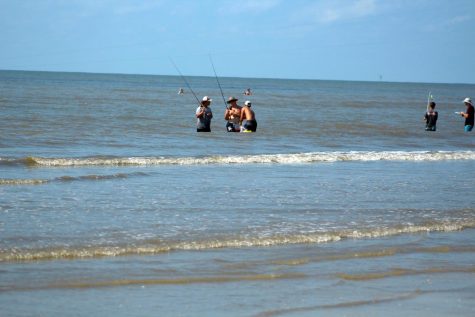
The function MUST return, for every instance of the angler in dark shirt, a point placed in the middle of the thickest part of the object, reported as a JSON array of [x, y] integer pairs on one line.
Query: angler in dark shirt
[[468, 115], [431, 117]]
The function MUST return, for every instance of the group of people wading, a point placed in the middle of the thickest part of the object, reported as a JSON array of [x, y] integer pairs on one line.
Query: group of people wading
[[239, 118], [431, 116], [243, 119]]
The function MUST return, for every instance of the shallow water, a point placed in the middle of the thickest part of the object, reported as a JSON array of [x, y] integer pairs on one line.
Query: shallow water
[[341, 204]]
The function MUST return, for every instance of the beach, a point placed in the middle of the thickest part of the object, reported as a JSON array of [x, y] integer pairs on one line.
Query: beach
[[339, 205]]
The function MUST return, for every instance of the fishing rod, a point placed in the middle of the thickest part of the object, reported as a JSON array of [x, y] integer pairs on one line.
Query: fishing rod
[[219, 85], [429, 98], [186, 82]]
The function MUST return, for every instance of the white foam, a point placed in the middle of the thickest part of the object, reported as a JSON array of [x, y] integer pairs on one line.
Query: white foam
[[89, 251], [22, 181], [296, 158]]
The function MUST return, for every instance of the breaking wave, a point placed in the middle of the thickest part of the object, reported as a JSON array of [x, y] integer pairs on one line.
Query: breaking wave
[[66, 178], [151, 247], [296, 158]]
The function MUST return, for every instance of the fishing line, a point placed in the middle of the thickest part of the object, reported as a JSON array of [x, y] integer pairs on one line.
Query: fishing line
[[219, 85], [186, 82], [429, 99]]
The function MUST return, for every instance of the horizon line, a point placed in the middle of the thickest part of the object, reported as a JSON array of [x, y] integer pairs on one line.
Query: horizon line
[[240, 77]]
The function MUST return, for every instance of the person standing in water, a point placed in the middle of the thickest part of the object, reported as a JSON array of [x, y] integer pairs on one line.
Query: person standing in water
[[468, 115], [431, 117], [248, 118], [204, 116], [232, 115]]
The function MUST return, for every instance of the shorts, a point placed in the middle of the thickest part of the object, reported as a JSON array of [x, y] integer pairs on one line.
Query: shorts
[[468, 128], [232, 127], [250, 125]]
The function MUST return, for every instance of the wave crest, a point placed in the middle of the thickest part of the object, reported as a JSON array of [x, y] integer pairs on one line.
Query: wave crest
[[67, 178], [160, 246], [11, 181], [296, 158]]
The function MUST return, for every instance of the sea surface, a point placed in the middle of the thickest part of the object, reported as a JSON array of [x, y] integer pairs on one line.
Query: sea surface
[[341, 204]]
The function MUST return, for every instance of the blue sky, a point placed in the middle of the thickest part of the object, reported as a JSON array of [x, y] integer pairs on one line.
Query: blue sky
[[396, 40]]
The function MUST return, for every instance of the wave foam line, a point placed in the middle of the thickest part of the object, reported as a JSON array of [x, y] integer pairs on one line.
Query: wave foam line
[[98, 177], [296, 158], [156, 247], [91, 177], [12, 181]]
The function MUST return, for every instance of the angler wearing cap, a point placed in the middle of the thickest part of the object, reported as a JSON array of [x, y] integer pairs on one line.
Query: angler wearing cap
[[248, 118], [468, 115], [232, 115], [204, 116]]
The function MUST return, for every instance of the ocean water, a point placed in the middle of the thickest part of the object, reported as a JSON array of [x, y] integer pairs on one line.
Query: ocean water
[[340, 205]]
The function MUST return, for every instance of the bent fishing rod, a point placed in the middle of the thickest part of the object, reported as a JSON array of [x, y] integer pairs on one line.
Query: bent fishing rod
[[217, 80], [186, 82]]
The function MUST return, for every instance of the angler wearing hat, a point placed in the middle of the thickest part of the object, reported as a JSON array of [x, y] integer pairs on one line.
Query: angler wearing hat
[[204, 116], [468, 115], [232, 115], [248, 118]]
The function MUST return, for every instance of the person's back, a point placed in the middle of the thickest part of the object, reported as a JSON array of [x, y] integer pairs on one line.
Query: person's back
[[248, 113], [431, 117], [248, 118]]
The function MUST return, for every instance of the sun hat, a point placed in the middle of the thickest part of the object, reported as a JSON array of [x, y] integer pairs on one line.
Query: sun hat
[[231, 99], [247, 103], [206, 98], [468, 100]]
